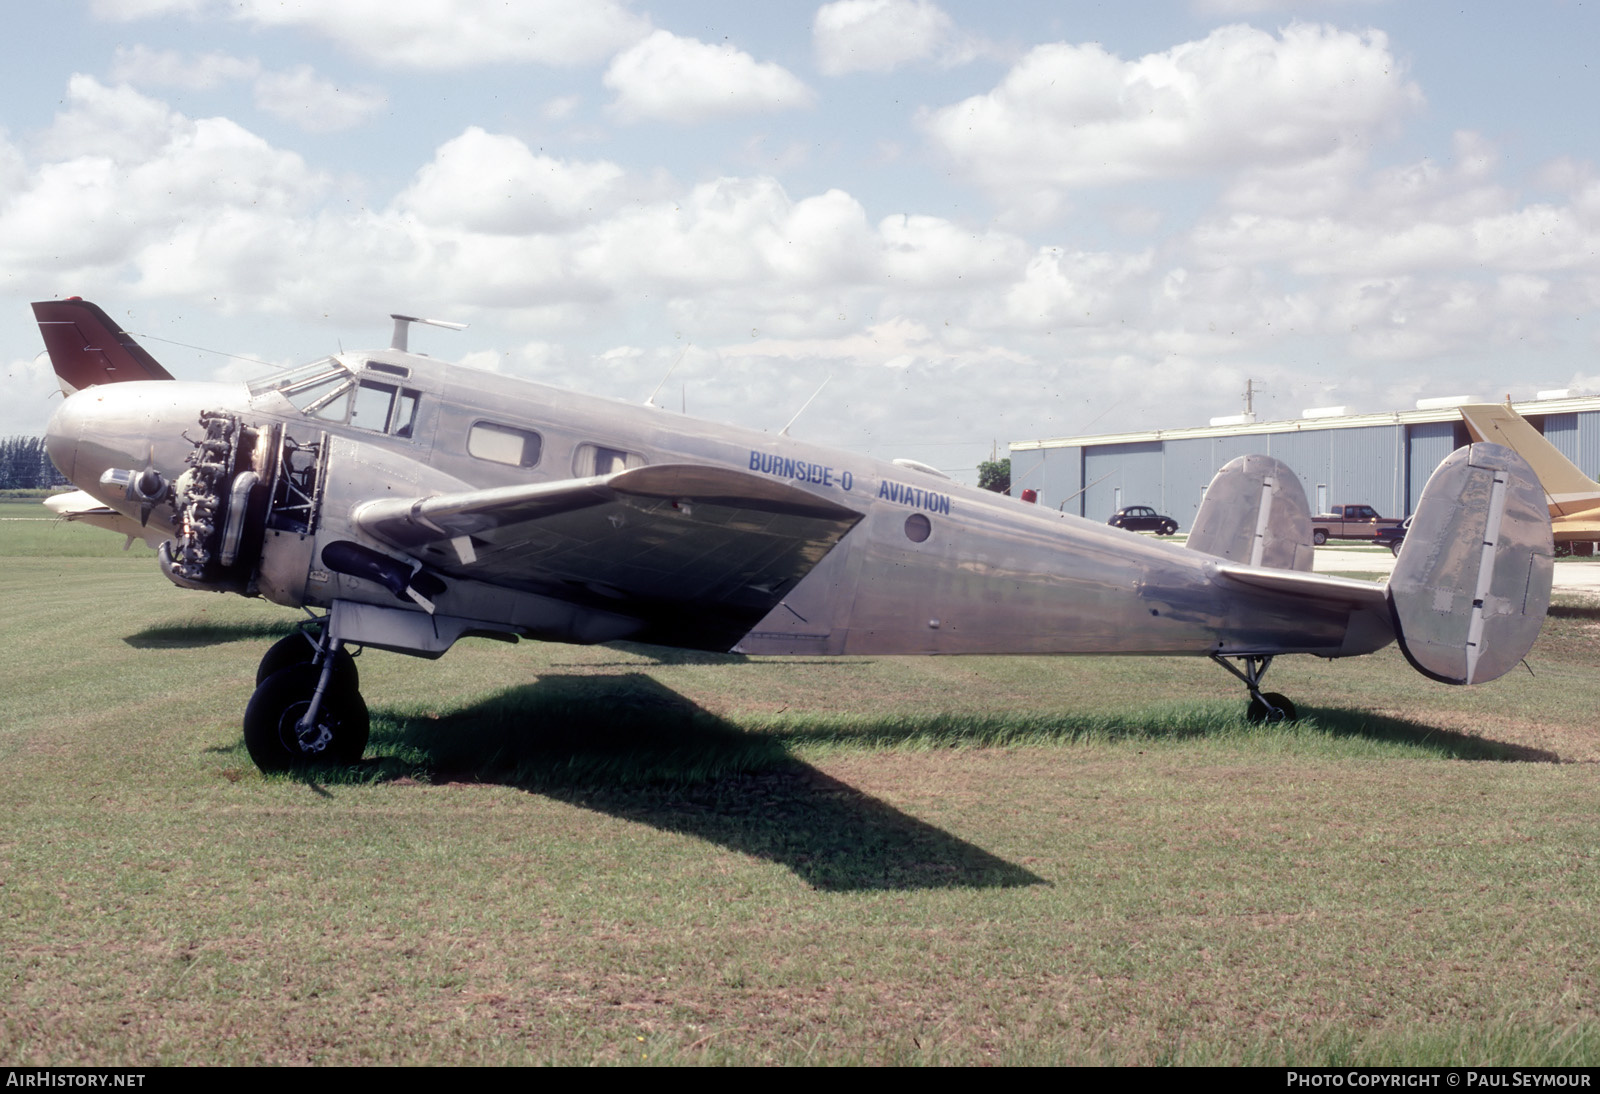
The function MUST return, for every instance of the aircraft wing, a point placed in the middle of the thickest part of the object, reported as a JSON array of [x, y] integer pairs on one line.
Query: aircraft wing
[[689, 549], [79, 505]]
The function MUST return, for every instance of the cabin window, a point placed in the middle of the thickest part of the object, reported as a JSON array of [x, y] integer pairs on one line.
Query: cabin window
[[597, 459], [918, 528], [504, 444]]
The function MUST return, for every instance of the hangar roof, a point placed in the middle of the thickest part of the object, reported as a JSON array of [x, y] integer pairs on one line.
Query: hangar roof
[[1570, 405]]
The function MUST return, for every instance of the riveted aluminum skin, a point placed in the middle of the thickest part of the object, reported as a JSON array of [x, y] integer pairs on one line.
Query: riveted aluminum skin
[[1472, 583]]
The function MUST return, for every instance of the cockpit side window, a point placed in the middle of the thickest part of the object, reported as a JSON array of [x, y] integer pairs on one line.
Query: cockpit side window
[[374, 404], [405, 417]]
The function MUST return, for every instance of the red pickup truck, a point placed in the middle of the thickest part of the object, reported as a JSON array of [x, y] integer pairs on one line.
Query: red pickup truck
[[1349, 522]]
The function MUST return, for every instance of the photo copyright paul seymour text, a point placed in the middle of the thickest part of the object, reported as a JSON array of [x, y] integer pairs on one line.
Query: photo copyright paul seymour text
[[1467, 1079]]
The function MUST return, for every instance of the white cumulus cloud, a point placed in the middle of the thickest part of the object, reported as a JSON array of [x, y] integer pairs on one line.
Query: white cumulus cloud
[[143, 9], [146, 67], [486, 182], [668, 78], [880, 35], [1069, 116], [118, 174], [426, 34]]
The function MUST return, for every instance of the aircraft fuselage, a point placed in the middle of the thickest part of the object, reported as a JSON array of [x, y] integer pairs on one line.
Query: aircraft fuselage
[[931, 566]]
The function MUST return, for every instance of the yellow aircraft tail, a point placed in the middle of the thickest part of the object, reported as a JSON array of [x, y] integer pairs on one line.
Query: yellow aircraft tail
[[1568, 491]]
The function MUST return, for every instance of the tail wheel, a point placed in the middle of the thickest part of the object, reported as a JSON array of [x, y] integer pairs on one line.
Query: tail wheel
[[272, 730]]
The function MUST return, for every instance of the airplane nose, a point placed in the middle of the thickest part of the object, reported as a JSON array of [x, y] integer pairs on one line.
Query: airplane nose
[[65, 431], [134, 426]]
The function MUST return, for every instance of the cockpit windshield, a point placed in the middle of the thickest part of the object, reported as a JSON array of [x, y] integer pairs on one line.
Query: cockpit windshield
[[328, 391], [300, 379]]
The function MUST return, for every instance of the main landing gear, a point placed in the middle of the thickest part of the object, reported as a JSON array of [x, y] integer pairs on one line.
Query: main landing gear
[[307, 707], [1266, 706]]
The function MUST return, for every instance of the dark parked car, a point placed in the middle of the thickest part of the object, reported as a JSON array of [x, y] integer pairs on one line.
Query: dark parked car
[[1392, 538], [1142, 518]]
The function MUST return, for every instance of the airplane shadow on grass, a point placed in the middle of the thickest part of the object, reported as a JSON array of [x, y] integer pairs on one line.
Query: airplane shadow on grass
[[1446, 743], [628, 747], [173, 636]]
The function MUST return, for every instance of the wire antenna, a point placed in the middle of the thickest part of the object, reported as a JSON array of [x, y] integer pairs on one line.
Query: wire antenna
[[784, 432], [651, 401]]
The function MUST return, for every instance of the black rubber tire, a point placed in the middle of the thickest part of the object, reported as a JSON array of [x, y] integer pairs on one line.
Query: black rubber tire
[[296, 649], [276, 707], [1394, 548], [1319, 537], [1169, 528], [1276, 709]]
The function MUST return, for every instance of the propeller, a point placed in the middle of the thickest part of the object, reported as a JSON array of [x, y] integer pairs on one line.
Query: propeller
[[148, 487]]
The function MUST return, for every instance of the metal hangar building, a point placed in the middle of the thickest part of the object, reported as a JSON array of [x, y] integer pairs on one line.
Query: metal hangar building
[[1382, 460]]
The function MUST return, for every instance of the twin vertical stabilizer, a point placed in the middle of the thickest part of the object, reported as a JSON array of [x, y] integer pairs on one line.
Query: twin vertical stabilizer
[[1472, 584], [1255, 513]]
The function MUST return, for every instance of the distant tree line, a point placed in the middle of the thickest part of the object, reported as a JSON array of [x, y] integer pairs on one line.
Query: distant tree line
[[24, 465]]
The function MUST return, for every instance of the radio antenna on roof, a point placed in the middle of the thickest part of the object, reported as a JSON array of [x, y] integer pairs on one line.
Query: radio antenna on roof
[[651, 400], [784, 432]]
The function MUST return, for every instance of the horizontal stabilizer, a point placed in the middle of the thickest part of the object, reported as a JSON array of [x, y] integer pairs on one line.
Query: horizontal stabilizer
[[1321, 587], [1472, 583], [1255, 513], [87, 347]]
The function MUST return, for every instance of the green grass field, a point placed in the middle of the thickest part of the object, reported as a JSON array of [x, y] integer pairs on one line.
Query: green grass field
[[619, 854]]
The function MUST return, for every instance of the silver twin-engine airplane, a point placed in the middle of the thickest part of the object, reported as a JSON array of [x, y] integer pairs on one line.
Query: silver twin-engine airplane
[[409, 503]]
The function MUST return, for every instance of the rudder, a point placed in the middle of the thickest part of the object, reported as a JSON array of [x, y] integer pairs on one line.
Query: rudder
[[87, 347], [1255, 513], [1472, 584]]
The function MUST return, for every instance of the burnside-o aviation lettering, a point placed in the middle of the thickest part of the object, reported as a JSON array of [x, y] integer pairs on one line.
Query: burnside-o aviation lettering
[[914, 496], [782, 467]]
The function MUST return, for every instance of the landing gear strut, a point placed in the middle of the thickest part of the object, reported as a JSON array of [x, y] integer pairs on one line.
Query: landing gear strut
[[1264, 706], [307, 707]]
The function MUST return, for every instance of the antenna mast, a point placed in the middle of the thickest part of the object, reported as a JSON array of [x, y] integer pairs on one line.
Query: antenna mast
[[402, 328]]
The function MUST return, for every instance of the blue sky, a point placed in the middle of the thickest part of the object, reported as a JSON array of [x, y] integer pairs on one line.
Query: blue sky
[[984, 222]]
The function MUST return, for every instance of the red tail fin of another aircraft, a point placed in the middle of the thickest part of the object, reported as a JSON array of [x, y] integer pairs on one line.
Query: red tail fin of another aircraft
[[87, 347]]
